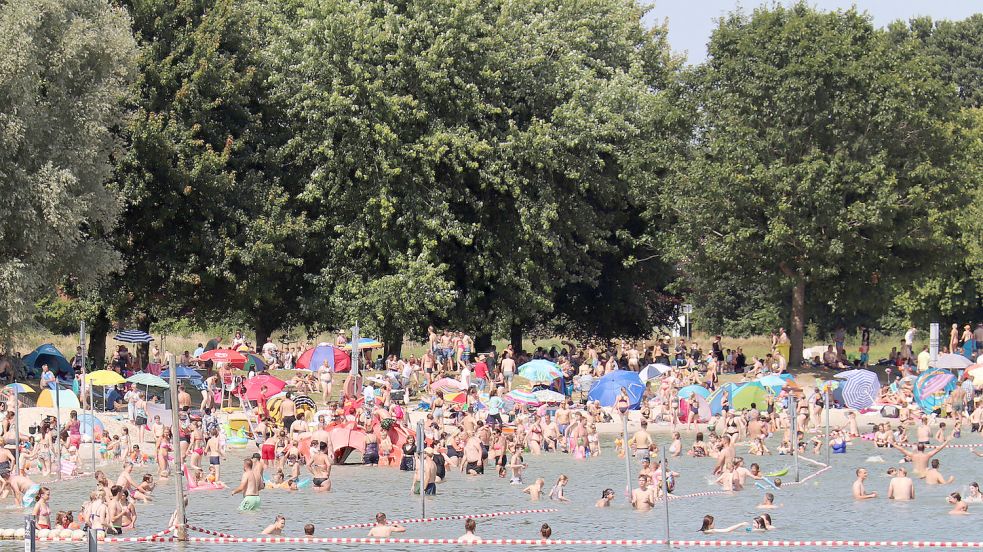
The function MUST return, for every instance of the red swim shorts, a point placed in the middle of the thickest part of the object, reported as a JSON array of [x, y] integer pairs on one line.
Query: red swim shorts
[[268, 452]]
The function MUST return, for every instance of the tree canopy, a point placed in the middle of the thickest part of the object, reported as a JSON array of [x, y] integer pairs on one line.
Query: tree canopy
[[496, 166], [821, 164], [65, 66]]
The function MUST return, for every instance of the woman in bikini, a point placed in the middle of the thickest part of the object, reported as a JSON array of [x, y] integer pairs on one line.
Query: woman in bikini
[[42, 512]]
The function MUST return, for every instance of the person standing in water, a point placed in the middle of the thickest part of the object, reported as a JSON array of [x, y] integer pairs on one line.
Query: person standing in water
[[901, 487], [606, 497], [383, 529], [249, 487], [469, 537], [320, 468], [859, 492], [643, 498]]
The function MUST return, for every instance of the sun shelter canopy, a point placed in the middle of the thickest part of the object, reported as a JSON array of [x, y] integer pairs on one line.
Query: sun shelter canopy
[[50, 355], [66, 399]]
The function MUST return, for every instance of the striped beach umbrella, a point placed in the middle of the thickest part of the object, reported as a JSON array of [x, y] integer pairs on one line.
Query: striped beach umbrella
[[133, 336], [522, 397], [549, 396], [447, 385], [860, 389]]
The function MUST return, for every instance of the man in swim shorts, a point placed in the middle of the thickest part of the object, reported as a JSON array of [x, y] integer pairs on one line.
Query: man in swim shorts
[[213, 448], [249, 487]]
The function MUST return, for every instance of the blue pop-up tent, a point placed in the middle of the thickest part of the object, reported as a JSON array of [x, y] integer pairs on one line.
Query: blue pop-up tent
[[48, 354]]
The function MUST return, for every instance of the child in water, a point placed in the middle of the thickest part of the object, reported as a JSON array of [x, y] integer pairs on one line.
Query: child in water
[[536, 489], [556, 493]]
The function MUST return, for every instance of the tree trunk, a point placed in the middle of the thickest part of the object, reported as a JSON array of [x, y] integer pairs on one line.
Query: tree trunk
[[262, 333], [98, 331], [143, 349], [392, 338], [483, 342], [515, 337], [798, 321]]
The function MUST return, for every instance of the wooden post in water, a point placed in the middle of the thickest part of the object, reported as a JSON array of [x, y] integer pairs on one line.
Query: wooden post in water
[[794, 422], [827, 424], [624, 418], [420, 446], [86, 387], [665, 489], [180, 532], [58, 421]]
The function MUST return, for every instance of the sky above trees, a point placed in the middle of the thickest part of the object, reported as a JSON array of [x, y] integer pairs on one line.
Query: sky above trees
[[689, 28]]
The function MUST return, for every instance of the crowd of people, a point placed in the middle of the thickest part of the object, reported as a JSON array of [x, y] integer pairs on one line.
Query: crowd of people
[[482, 432]]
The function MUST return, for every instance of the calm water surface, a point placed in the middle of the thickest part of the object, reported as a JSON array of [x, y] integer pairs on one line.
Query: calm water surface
[[821, 509]]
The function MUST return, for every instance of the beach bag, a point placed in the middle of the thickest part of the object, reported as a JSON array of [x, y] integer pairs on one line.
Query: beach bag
[[890, 411]]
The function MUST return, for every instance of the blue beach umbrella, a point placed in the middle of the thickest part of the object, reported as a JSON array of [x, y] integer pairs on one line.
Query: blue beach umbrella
[[607, 389]]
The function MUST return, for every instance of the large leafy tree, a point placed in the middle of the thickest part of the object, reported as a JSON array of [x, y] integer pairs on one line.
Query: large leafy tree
[[207, 230], [64, 68], [952, 291], [821, 161], [492, 148]]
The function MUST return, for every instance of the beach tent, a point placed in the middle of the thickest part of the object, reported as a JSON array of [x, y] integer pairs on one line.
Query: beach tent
[[748, 394], [685, 392], [91, 427], [607, 389], [183, 372], [48, 354], [716, 399], [653, 371], [66, 399]]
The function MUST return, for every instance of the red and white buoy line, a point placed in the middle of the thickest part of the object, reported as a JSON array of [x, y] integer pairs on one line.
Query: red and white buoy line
[[590, 542], [443, 518]]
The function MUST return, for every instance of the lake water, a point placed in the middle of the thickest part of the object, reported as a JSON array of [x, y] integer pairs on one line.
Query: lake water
[[820, 509]]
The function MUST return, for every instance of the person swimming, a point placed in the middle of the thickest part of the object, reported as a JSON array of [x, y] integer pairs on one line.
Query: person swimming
[[974, 495], [959, 507], [708, 527]]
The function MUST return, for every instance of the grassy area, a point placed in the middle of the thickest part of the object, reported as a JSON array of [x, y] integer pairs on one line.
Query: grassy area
[[753, 346]]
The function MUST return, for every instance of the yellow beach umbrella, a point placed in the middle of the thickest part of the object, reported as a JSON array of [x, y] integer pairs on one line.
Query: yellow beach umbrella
[[104, 378]]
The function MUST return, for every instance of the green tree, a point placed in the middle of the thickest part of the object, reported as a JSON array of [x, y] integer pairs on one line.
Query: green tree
[[501, 140], [207, 230], [952, 290], [64, 68], [821, 162]]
